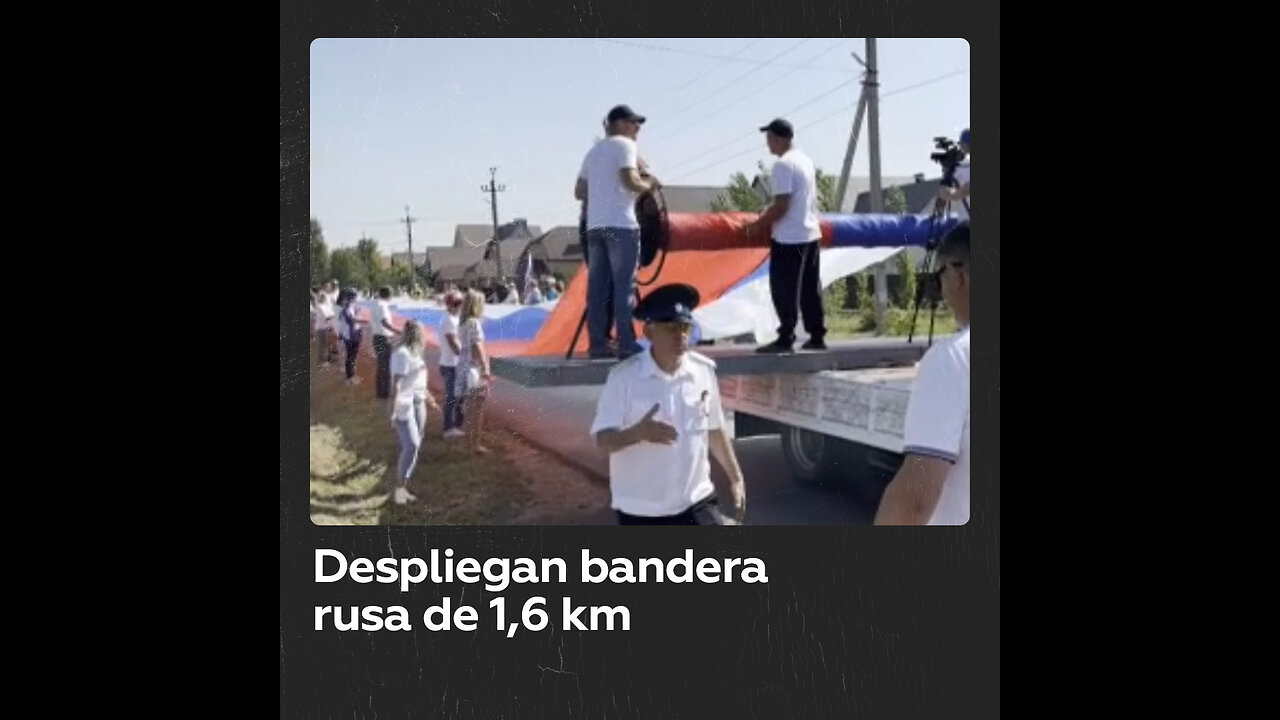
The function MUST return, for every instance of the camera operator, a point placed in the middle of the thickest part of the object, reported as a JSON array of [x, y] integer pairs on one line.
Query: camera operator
[[958, 195]]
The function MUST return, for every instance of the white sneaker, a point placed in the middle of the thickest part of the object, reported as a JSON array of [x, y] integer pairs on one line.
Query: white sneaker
[[453, 433], [402, 496]]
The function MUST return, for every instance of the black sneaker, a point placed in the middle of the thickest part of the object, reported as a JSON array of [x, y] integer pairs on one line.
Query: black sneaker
[[812, 344], [775, 348]]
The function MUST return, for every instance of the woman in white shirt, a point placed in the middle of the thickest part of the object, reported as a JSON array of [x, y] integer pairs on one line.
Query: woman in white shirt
[[473, 369], [409, 403]]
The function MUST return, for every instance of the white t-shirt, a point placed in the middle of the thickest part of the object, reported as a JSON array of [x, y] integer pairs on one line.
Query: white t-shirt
[[414, 385], [646, 478], [793, 174], [469, 333], [324, 310], [961, 207], [448, 326], [937, 422], [609, 202], [381, 311]]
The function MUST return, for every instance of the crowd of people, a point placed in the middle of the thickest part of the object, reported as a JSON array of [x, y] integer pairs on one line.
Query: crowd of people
[[659, 416], [401, 375]]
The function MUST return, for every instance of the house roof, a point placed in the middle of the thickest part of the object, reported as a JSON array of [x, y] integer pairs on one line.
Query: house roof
[[452, 273], [919, 195], [470, 236], [475, 235], [559, 243], [690, 198]]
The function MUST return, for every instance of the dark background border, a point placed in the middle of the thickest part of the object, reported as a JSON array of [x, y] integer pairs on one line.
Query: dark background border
[[855, 621]]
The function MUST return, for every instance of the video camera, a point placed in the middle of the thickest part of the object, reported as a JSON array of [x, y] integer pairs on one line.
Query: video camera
[[949, 158]]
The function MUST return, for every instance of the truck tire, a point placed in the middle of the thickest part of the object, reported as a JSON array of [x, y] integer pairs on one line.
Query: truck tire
[[818, 460], [811, 456]]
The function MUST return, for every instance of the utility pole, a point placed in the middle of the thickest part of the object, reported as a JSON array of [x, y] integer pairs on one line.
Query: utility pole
[[408, 221], [869, 105], [871, 86], [493, 188]]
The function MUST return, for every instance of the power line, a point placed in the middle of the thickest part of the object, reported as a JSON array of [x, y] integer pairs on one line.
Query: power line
[[712, 69], [716, 57], [738, 79], [815, 122], [753, 93], [821, 96]]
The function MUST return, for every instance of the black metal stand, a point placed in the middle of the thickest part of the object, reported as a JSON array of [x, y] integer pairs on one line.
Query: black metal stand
[[927, 289]]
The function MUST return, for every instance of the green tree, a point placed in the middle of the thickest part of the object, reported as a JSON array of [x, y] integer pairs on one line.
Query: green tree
[[895, 201], [907, 272], [346, 267], [398, 277], [739, 195], [319, 255], [826, 191], [367, 251]]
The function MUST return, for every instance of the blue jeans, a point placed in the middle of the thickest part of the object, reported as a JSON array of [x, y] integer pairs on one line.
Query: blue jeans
[[452, 403], [611, 275], [410, 432]]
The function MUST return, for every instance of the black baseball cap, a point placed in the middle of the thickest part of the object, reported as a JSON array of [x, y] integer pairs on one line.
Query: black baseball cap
[[624, 112], [669, 303], [781, 128]]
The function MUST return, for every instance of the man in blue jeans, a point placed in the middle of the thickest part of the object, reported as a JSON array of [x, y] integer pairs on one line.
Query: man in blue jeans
[[610, 181]]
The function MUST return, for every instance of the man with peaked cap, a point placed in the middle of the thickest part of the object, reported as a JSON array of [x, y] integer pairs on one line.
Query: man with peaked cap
[[659, 418]]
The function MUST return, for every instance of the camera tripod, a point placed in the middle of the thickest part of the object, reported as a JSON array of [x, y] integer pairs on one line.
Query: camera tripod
[[928, 284]]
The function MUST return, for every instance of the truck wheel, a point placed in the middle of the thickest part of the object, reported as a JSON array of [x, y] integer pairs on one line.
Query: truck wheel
[[816, 460], [808, 454]]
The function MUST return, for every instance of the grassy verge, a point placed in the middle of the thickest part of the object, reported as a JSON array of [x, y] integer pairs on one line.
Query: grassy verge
[[353, 455]]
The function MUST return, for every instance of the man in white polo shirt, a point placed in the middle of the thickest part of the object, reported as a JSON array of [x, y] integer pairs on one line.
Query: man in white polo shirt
[[383, 332], [610, 181], [932, 486], [792, 220], [658, 418]]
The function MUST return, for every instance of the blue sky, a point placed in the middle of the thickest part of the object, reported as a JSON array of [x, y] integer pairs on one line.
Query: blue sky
[[418, 122]]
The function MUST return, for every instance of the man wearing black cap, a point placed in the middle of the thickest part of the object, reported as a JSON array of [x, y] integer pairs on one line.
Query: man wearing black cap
[[609, 182], [792, 221], [659, 416]]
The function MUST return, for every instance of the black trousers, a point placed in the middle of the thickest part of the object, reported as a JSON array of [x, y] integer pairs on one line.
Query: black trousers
[[794, 282], [353, 347], [382, 348], [698, 514]]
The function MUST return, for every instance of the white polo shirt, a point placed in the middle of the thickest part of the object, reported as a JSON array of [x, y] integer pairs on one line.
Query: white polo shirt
[[610, 204], [937, 422], [646, 478], [381, 311], [793, 174]]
